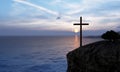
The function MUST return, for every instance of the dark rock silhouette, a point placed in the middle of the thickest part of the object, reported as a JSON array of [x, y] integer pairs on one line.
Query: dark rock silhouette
[[111, 35], [102, 56]]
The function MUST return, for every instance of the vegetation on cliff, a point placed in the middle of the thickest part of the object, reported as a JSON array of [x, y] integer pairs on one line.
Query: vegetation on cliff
[[111, 36]]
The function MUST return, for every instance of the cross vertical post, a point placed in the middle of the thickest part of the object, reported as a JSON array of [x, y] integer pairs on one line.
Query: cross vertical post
[[81, 29]]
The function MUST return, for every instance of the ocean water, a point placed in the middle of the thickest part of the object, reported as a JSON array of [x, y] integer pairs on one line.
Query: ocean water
[[37, 54]]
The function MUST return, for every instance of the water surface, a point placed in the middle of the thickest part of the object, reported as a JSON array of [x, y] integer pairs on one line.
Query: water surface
[[37, 54]]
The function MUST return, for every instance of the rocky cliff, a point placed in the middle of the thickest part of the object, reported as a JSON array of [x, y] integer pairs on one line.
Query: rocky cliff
[[102, 56]]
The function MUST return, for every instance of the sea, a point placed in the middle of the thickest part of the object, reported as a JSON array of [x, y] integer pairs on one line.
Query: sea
[[37, 53]]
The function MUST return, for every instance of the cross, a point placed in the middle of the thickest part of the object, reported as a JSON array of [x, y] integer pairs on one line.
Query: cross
[[81, 29]]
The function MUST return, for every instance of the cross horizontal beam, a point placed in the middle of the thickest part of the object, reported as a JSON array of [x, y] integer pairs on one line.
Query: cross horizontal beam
[[81, 24]]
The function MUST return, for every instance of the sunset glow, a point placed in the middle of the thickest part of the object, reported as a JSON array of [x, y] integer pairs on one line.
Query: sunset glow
[[76, 30]]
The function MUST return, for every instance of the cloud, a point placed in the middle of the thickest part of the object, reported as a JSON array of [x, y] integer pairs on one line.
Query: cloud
[[56, 2], [36, 6], [94, 7], [38, 24]]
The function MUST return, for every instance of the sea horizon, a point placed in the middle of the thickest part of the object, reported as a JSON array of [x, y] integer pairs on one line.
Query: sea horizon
[[47, 35]]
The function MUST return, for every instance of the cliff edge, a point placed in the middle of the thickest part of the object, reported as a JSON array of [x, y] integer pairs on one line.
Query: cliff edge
[[102, 56]]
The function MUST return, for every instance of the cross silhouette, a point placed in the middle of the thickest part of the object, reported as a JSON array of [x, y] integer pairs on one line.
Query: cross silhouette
[[81, 29]]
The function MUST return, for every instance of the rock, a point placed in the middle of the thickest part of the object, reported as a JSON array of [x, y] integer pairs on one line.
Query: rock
[[102, 56]]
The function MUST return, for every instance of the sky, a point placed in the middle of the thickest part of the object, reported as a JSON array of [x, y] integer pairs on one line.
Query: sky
[[56, 17]]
